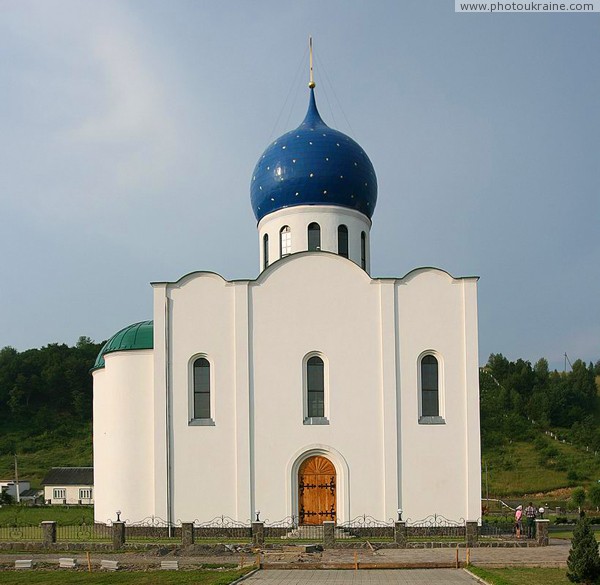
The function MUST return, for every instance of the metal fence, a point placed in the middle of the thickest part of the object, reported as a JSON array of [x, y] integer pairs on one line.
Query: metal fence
[[222, 528], [226, 530], [365, 528], [152, 529], [435, 526], [502, 528], [287, 529], [84, 532], [20, 533]]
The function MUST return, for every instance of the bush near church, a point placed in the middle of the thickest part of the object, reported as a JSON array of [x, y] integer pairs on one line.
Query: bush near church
[[583, 564]]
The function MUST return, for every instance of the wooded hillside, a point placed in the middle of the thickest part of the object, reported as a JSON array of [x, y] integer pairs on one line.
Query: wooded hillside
[[518, 400], [46, 407]]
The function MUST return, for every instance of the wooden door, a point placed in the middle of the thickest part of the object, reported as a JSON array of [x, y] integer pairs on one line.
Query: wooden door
[[316, 491]]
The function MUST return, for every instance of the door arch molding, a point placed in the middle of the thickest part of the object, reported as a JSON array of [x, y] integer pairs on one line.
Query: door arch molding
[[342, 478]]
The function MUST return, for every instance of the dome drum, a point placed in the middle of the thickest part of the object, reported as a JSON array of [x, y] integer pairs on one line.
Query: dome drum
[[330, 222]]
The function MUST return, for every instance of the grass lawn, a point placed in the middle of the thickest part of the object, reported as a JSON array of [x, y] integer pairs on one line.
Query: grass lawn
[[519, 468], [32, 516], [568, 534], [201, 577], [522, 576]]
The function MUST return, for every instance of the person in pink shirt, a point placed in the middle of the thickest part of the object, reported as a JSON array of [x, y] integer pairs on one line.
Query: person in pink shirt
[[518, 521]]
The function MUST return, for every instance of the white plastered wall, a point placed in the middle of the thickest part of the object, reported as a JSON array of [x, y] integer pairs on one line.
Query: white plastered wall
[[440, 462], [322, 303], [123, 436], [255, 335], [200, 319]]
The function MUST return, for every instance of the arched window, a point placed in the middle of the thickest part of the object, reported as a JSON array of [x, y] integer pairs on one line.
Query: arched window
[[343, 241], [314, 237], [430, 384], [265, 251], [201, 388], [315, 387], [363, 250], [285, 240]]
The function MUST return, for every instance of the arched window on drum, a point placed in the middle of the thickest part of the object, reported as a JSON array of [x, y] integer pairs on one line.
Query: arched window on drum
[[285, 241]]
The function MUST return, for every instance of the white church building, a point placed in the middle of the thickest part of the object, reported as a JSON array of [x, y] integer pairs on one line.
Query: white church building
[[315, 390]]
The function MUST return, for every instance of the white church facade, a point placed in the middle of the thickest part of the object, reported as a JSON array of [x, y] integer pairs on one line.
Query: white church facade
[[316, 390]]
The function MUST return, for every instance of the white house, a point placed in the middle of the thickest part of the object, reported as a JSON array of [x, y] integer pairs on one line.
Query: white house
[[9, 486], [69, 485], [315, 390]]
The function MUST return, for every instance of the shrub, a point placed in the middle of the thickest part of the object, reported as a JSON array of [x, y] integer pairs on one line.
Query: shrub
[[583, 564], [594, 495], [578, 497], [5, 499]]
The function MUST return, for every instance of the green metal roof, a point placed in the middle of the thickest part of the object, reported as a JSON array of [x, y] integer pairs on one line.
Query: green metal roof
[[137, 336]]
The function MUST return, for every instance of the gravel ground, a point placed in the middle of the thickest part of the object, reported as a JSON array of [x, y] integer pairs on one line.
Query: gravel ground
[[554, 555]]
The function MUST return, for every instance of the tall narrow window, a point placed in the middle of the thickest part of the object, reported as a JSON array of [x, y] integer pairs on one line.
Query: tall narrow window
[[430, 404], [265, 251], [201, 388], [314, 237], [343, 241], [363, 250], [315, 385], [285, 240]]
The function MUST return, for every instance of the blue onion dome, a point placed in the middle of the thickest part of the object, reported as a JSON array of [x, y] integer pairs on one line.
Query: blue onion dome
[[137, 336], [313, 165]]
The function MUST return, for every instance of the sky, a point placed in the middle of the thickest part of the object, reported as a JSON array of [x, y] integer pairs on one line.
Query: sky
[[129, 131]]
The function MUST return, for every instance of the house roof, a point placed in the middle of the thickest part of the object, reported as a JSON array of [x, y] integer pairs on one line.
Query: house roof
[[30, 493], [69, 476]]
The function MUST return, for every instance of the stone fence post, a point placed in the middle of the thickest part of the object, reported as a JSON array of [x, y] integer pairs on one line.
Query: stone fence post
[[328, 534], [541, 531], [258, 533], [471, 533], [48, 532], [187, 533], [400, 536], [118, 535]]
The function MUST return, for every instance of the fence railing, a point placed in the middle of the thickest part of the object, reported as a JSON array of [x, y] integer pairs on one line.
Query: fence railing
[[286, 529], [435, 525], [224, 530], [505, 529], [365, 528], [20, 533], [152, 529], [498, 530], [84, 532]]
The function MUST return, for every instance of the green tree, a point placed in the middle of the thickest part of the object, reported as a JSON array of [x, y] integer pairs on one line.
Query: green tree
[[5, 499], [578, 497], [583, 564], [594, 495]]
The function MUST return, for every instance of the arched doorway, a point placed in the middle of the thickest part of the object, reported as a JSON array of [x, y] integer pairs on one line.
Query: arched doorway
[[316, 490]]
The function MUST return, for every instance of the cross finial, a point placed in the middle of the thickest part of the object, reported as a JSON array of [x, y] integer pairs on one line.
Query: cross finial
[[311, 83]]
